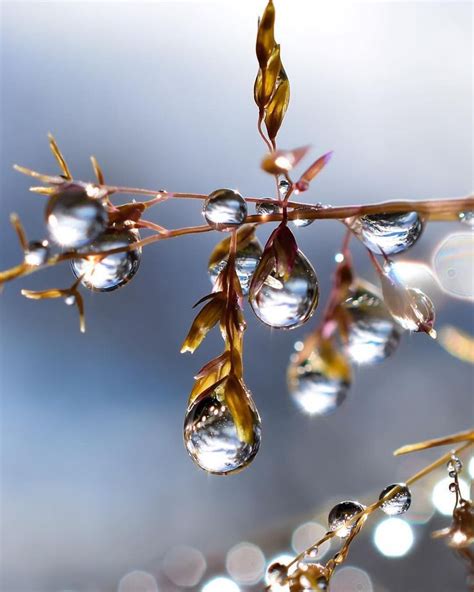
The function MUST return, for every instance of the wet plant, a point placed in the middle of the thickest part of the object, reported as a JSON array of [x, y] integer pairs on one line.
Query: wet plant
[[102, 238]]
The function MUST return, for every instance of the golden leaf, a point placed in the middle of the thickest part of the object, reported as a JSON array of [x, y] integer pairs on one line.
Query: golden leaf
[[205, 320], [265, 35], [266, 81], [276, 109], [59, 157], [241, 407], [97, 171], [279, 162], [20, 231]]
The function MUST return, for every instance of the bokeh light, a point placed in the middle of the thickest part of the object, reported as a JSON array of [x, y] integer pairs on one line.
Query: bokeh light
[[394, 537], [453, 265], [138, 581], [220, 584], [184, 566], [245, 563], [443, 499], [306, 535], [351, 579]]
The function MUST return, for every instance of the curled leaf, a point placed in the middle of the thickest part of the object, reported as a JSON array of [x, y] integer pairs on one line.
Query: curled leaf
[[276, 109], [280, 162], [240, 404], [205, 320], [59, 157], [265, 35], [311, 172]]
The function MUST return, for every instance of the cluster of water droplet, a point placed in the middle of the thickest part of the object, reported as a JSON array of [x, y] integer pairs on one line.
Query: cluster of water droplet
[[287, 302], [77, 219], [373, 333], [212, 437], [389, 234]]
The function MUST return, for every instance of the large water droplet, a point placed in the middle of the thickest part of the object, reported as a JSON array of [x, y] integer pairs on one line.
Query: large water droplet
[[399, 503], [340, 516], [113, 271], [212, 437], [389, 233], [373, 334], [246, 261], [225, 209], [312, 389], [73, 218], [423, 309], [288, 303], [37, 253]]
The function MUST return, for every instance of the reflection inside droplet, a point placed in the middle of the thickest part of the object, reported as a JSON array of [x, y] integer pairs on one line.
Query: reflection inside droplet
[[246, 261], [288, 303], [212, 437], [389, 233]]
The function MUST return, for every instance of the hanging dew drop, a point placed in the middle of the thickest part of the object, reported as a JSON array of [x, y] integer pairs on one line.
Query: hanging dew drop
[[212, 437], [225, 209], [399, 503], [73, 218], [373, 333], [286, 303], [312, 389], [112, 271], [339, 519], [389, 234], [246, 261]]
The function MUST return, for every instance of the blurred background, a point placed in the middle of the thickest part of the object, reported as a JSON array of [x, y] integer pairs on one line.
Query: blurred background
[[97, 491]]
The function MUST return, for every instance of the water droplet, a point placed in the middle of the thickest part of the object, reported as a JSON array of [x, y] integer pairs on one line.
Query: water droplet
[[266, 207], [246, 261], [410, 307], [288, 303], [301, 222], [389, 233], [283, 187], [276, 573], [70, 300], [467, 217], [454, 466], [340, 516], [423, 308], [373, 334], [73, 218], [37, 253], [113, 271], [399, 503], [225, 209], [453, 265], [212, 437], [313, 390]]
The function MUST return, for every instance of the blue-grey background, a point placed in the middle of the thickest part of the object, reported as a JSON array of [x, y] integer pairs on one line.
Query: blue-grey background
[[95, 481]]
